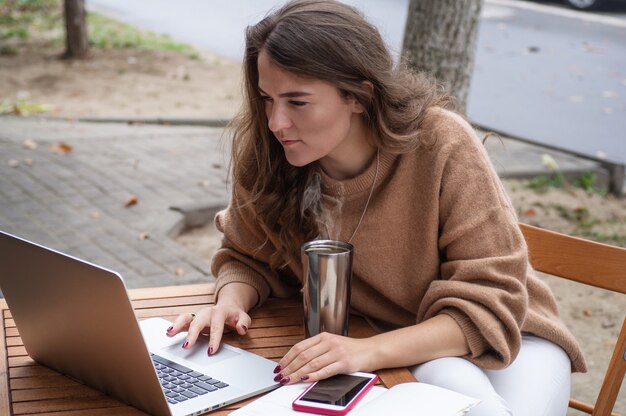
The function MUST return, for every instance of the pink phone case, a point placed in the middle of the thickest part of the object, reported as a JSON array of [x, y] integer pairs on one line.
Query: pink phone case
[[321, 411]]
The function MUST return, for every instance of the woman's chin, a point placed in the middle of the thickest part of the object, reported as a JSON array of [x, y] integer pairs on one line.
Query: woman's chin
[[297, 161]]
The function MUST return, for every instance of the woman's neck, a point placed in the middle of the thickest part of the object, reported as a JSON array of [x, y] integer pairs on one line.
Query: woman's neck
[[352, 157]]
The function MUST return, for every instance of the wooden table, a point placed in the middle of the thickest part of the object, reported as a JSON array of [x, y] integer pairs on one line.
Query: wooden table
[[27, 388]]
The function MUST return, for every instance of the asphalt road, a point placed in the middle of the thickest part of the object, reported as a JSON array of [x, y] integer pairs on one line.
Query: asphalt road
[[555, 79], [543, 72]]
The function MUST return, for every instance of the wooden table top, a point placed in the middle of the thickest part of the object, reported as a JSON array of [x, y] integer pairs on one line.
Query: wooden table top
[[27, 388]]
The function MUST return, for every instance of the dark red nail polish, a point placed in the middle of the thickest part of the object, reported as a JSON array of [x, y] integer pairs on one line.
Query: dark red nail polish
[[278, 377], [186, 344], [284, 381], [210, 350], [277, 369], [304, 377], [170, 328]]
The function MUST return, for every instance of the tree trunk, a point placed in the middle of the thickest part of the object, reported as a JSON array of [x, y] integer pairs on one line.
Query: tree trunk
[[76, 40], [440, 38]]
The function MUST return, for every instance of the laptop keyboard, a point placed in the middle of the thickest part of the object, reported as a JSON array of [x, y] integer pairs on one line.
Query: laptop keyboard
[[181, 383]]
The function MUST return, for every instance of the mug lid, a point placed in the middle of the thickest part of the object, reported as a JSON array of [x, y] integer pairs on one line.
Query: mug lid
[[327, 247]]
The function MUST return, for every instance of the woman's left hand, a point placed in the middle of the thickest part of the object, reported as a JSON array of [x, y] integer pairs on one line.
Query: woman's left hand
[[323, 356]]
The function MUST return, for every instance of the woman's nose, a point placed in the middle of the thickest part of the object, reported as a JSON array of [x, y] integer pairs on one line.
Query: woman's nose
[[277, 120]]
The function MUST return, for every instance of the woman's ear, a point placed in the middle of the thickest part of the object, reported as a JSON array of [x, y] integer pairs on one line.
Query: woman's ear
[[357, 107]]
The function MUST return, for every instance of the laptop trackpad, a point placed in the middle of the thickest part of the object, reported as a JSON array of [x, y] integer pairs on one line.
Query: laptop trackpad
[[198, 353]]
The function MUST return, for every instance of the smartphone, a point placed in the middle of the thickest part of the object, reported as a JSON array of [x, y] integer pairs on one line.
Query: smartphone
[[336, 395]]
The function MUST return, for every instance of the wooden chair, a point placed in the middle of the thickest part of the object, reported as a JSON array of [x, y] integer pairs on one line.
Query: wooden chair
[[594, 264]]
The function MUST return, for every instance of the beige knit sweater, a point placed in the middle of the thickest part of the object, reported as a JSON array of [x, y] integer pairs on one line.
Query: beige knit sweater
[[439, 236]]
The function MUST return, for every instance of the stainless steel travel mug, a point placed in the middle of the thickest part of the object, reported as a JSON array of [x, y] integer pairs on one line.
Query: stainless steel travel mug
[[327, 275]]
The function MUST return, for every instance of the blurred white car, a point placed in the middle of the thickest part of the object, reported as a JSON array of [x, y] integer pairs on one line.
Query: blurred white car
[[586, 4]]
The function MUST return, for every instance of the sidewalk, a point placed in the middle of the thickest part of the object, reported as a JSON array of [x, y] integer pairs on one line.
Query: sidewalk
[[76, 202]]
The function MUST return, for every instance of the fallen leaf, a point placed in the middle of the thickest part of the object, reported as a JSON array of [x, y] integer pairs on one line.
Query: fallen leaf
[[94, 215], [14, 163], [28, 161], [61, 148], [587, 312], [130, 201], [580, 213], [530, 212], [144, 235], [30, 144], [179, 272], [23, 108]]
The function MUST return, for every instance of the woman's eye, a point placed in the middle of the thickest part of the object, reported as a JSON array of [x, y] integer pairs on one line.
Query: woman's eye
[[298, 103], [266, 98]]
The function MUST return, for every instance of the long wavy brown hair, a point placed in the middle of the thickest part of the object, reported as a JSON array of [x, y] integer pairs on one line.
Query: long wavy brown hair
[[332, 42]]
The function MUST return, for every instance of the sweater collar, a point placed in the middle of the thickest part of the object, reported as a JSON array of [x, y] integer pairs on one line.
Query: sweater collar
[[361, 182]]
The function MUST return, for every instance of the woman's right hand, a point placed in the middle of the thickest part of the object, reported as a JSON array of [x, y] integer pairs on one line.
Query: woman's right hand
[[214, 318]]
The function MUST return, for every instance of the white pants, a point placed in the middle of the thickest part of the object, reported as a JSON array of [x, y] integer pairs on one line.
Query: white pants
[[537, 383]]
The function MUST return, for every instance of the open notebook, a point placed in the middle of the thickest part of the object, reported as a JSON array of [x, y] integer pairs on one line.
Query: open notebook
[[406, 398]]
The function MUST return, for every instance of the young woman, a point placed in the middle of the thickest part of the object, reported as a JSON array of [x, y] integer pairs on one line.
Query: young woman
[[335, 142]]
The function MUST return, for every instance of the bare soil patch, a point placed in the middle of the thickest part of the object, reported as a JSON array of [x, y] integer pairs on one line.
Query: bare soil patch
[[121, 83]]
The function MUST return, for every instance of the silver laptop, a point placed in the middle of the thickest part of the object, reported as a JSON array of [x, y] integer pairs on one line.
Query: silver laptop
[[76, 318]]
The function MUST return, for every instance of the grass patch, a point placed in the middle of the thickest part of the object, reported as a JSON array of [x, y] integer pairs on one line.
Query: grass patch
[[109, 33], [542, 183], [579, 216], [21, 107], [23, 20], [20, 19], [586, 226], [586, 181]]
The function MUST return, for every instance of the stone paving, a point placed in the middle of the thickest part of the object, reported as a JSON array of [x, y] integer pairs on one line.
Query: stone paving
[[76, 202]]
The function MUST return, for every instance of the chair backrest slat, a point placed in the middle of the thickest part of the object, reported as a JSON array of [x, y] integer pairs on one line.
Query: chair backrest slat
[[594, 264], [583, 261]]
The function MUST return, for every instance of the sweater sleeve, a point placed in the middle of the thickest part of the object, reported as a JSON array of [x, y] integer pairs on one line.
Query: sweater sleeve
[[484, 260], [245, 252]]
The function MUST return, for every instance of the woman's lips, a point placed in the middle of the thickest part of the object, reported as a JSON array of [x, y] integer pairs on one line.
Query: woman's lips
[[286, 142]]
